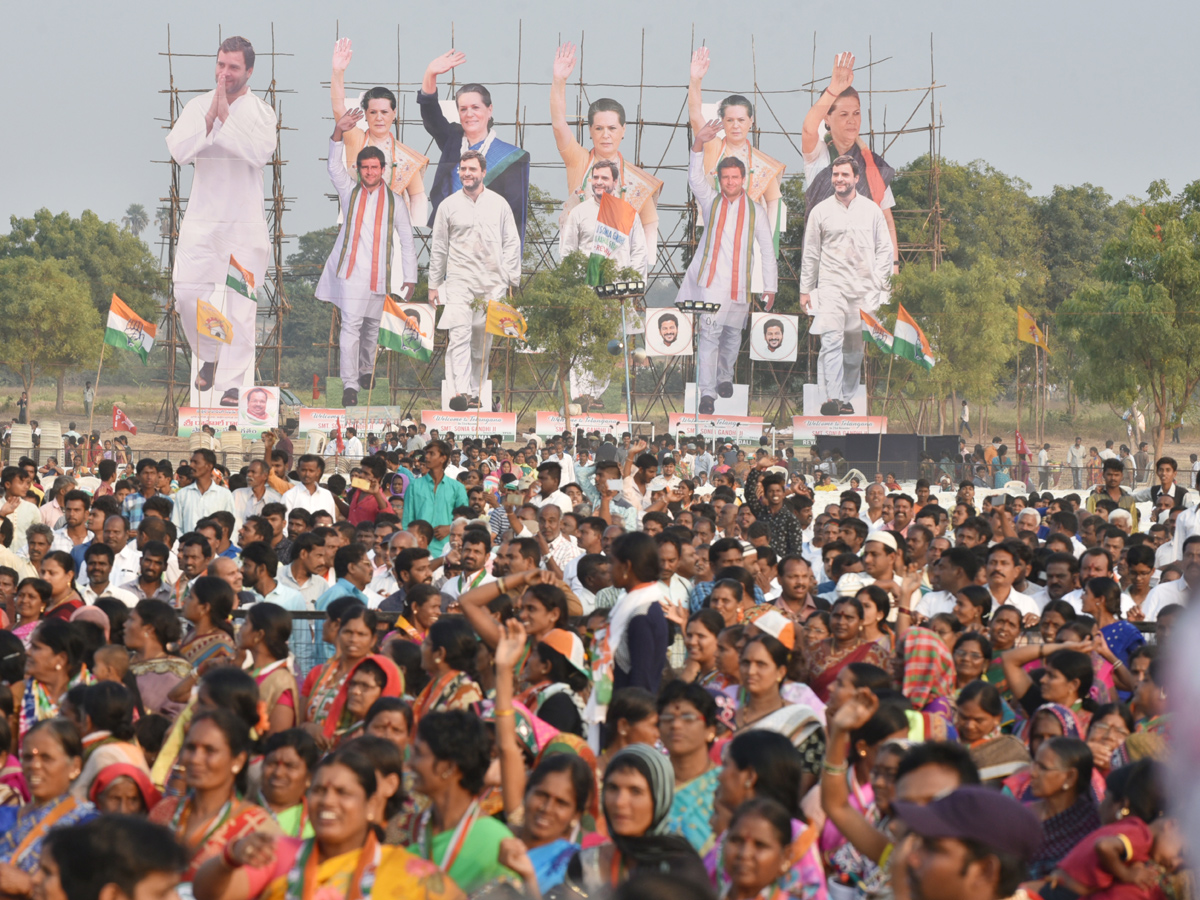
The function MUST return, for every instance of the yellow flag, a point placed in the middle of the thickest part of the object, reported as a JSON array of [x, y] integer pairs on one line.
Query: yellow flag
[[504, 321], [1028, 331], [211, 323]]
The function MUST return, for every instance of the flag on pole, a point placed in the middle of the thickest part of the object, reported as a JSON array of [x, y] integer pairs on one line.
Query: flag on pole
[[874, 332], [402, 332], [614, 222], [1022, 447], [504, 320], [212, 323], [909, 341], [122, 422], [241, 280], [126, 330], [1028, 331]]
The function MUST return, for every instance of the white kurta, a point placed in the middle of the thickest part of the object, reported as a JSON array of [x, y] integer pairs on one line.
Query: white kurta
[[355, 294], [579, 233], [847, 262], [224, 218], [732, 313], [475, 256]]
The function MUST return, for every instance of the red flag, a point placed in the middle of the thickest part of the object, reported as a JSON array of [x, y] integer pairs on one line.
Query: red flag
[[122, 422], [337, 435], [1022, 447], [316, 387]]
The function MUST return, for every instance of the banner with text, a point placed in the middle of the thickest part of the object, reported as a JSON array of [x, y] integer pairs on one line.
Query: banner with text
[[381, 419], [806, 429], [739, 429], [469, 424], [191, 418], [549, 424]]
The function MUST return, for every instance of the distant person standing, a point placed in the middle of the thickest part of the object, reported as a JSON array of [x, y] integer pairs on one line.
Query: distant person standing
[[23, 409], [1043, 466], [89, 397], [964, 420]]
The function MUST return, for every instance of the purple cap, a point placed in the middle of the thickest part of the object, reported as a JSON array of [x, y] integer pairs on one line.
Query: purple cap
[[977, 814]]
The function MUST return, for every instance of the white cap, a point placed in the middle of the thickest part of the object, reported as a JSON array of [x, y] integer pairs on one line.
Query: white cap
[[853, 582], [884, 537], [658, 484]]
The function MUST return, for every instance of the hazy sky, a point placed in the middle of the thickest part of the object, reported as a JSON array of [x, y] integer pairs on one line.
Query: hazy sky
[[1052, 92]]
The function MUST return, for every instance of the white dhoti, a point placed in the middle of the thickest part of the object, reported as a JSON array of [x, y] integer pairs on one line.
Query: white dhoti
[[467, 348], [201, 267], [719, 341], [585, 384], [839, 325]]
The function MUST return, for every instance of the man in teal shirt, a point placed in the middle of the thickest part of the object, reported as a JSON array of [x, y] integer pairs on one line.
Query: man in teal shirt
[[433, 497]]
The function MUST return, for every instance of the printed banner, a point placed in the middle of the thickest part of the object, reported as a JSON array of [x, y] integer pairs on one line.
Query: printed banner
[[382, 419], [219, 417], [806, 429], [258, 408], [465, 424], [739, 429], [548, 424]]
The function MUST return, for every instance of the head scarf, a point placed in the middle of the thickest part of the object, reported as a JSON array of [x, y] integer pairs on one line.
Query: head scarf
[[1066, 718], [393, 687], [532, 733], [928, 667], [655, 850], [111, 773]]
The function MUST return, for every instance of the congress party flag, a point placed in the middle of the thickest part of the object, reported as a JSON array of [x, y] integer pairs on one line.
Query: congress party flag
[[909, 341], [1028, 331], [241, 280], [874, 332], [122, 422], [614, 222], [504, 320], [402, 332], [126, 330]]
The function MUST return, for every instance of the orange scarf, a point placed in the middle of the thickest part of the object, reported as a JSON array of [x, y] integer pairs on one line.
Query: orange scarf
[[737, 244], [358, 220]]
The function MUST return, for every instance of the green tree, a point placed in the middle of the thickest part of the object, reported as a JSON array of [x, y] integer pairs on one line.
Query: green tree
[[569, 324], [135, 219], [1138, 322], [306, 322], [52, 322], [105, 258]]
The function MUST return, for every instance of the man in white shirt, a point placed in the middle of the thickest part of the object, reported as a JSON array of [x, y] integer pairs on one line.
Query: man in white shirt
[[736, 229], [98, 560], [202, 497], [228, 135], [384, 583], [580, 229], [1108, 452], [74, 531], [1004, 567], [353, 445], [308, 494], [250, 500], [1043, 461], [1096, 563], [554, 544], [367, 263], [1077, 459], [473, 555], [475, 254], [309, 572], [1062, 578], [953, 571], [1180, 590], [549, 475]]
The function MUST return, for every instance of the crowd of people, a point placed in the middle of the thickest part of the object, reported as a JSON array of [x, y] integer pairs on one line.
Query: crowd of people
[[570, 669]]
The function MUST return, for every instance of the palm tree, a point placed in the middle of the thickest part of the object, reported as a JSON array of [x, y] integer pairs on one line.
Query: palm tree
[[135, 218]]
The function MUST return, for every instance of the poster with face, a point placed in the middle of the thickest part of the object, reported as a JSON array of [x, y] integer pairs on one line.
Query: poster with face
[[259, 407], [668, 332], [774, 338]]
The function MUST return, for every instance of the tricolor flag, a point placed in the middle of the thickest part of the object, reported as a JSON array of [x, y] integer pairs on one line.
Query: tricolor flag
[[1028, 331], [122, 422], [614, 222], [504, 320], [874, 332], [402, 332], [126, 330], [240, 280], [909, 341]]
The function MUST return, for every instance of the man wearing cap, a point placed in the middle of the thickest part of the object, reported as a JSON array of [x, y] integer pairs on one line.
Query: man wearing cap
[[765, 493], [879, 559], [972, 844]]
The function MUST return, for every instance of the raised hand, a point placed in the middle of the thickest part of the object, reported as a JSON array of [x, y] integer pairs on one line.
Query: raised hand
[[221, 100], [843, 73], [440, 65], [257, 850], [349, 119], [699, 63], [708, 132], [510, 644], [564, 62], [767, 300], [857, 711], [343, 52]]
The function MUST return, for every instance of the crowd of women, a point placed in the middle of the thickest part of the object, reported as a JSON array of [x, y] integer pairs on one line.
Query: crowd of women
[[504, 744]]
